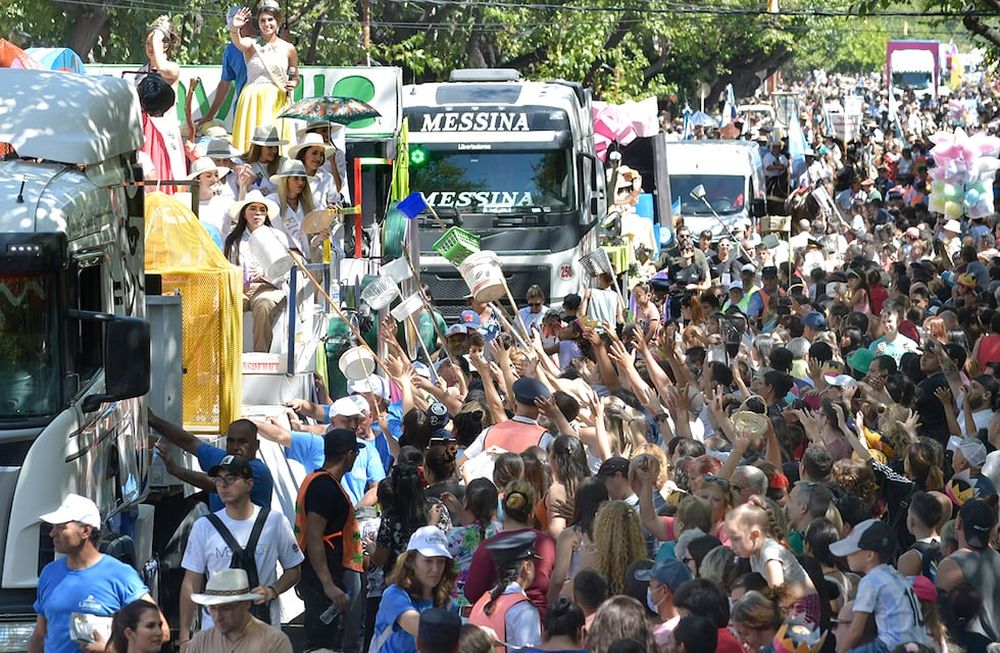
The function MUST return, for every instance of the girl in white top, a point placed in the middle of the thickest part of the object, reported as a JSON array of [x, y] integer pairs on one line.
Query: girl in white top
[[213, 203], [264, 159], [751, 530], [295, 202], [328, 188], [265, 298]]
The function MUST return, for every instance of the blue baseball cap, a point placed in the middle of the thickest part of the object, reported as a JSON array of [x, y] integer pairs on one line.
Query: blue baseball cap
[[672, 573]]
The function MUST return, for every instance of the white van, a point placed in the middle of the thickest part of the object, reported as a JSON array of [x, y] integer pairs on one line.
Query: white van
[[731, 175]]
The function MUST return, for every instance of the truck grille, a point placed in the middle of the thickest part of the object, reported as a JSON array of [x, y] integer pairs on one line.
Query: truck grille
[[449, 290]]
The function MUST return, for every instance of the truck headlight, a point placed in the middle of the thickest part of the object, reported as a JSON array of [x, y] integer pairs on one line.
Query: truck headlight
[[14, 636]]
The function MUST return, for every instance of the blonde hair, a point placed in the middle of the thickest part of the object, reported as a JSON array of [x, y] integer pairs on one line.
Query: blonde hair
[[626, 427], [619, 542], [305, 198], [757, 513], [404, 575], [648, 449]]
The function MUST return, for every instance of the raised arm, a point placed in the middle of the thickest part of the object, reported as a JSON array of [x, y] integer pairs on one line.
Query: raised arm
[[175, 434], [157, 50], [244, 43]]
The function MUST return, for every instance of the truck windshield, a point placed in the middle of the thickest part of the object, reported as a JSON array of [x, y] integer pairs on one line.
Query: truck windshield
[[916, 79], [28, 362], [494, 182], [726, 193]]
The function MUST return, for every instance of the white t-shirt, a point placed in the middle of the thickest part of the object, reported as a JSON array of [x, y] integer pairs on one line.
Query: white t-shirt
[[207, 553], [884, 593]]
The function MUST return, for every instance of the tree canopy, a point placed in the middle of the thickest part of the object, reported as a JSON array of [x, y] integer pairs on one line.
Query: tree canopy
[[621, 48]]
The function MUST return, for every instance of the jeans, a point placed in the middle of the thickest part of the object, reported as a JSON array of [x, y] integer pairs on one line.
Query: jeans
[[318, 634], [874, 646]]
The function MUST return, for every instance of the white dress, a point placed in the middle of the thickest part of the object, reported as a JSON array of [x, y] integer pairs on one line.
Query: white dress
[[289, 223], [324, 188]]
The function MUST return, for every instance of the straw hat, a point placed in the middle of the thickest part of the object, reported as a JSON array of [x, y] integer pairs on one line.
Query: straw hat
[[311, 140], [290, 168], [226, 586], [267, 135], [205, 164], [254, 197]]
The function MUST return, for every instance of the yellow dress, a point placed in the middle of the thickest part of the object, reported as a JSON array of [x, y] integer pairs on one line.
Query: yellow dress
[[261, 101]]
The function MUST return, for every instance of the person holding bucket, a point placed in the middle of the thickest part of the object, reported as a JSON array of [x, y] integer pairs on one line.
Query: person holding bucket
[[264, 294]]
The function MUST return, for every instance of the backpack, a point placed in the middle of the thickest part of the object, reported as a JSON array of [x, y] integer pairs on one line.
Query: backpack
[[930, 556], [243, 557]]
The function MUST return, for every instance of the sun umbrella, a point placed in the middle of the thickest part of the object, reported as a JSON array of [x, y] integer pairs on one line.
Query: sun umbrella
[[331, 108]]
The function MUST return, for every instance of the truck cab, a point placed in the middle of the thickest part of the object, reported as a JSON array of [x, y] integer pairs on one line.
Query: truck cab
[[512, 161], [75, 348], [730, 174]]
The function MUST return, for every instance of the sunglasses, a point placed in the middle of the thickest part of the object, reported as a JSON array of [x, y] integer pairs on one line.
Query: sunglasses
[[718, 480]]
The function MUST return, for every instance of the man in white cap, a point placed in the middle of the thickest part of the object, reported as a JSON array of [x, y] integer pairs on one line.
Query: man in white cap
[[228, 598], [84, 581], [306, 447], [386, 416]]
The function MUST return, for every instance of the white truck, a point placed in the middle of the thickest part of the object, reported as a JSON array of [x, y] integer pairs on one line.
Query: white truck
[[716, 185], [74, 350], [514, 162]]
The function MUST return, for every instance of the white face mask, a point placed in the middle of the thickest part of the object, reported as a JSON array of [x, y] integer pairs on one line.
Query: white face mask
[[650, 603]]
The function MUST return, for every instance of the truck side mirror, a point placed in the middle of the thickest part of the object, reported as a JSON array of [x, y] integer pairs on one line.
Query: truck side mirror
[[758, 208], [126, 361]]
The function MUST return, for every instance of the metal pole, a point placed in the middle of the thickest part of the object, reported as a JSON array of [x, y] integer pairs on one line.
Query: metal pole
[[290, 327]]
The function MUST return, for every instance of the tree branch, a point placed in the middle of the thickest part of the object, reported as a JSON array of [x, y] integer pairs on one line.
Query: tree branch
[[974, 23]]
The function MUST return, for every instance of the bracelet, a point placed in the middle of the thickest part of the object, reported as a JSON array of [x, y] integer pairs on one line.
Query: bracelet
[[271, 587]]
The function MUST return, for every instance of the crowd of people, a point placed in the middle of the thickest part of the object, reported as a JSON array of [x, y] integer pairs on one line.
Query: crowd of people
[[765, 444]]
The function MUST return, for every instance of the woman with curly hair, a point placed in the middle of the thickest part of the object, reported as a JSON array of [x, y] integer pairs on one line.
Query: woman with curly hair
[[568, 463], [620, 617], [422, 579], [619, 541], [858, 480]]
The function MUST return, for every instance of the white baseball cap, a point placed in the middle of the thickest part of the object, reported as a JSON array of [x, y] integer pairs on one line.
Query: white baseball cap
[[374, 384], [74, 508], [346, 407], [429, 541], [840, 380]]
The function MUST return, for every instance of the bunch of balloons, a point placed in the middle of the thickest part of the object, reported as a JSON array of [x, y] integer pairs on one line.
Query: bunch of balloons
[[962, 179]]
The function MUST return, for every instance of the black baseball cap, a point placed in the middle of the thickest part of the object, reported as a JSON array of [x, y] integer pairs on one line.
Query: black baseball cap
[[233, 464], [340, 441], [978, 519], [612, 466]]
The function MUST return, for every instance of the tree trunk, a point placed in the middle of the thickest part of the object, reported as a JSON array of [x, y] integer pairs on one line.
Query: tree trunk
[[88, 23], [744, 77]]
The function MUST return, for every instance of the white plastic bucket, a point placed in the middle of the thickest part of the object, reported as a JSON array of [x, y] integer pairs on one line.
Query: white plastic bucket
[[357, 363], [407, 307], [271, 254], [397, 269], [483, 274], [379, 293]]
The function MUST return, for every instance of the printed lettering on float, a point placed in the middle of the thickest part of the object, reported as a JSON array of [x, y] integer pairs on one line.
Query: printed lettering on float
[[487, 200], [480, 121]]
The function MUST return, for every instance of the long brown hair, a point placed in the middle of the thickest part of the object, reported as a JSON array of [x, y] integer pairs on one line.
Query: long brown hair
[[254, 153], [404, 575]]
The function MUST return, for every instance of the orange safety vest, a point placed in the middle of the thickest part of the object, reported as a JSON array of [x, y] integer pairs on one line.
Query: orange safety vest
[[352, 555], [498, 620], [513, 436]]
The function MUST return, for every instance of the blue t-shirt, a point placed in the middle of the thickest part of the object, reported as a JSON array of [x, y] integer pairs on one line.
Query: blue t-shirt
[[396, 601], [101, 589], [262, 483], [394, 418], [307, 448], [234, 69]]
